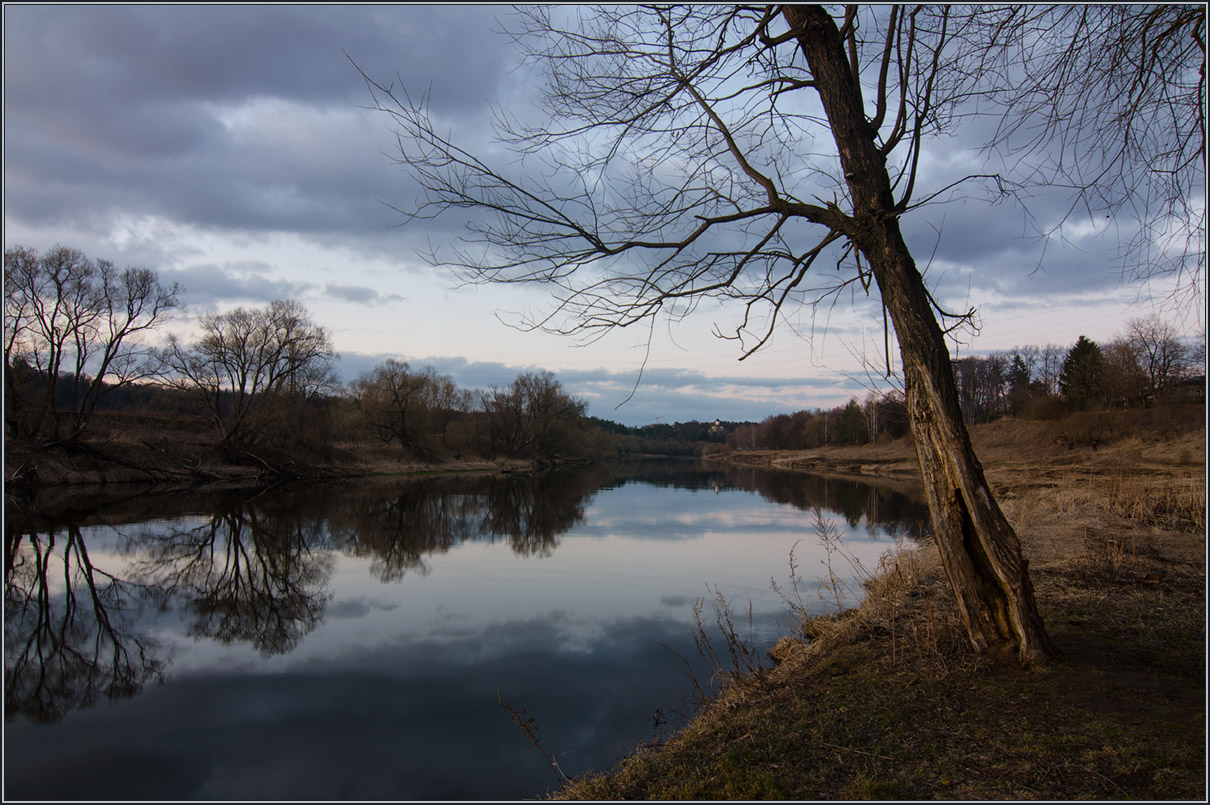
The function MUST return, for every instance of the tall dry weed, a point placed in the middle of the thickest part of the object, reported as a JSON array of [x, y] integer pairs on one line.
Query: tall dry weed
[[1111, 554], [907, 600], [529, 728], [1178, 503], [834, 586], [744, 665]]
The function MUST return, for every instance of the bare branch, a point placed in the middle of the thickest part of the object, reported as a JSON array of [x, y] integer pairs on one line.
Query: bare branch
[[1108, 102]]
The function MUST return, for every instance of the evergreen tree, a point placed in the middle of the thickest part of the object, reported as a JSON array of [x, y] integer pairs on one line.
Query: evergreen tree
[[1019, 390], [1082, 380], [852, 423]]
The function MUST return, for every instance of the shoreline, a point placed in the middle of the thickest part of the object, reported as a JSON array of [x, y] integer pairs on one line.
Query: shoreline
[[821, 462], [885, 701], [103, 466]]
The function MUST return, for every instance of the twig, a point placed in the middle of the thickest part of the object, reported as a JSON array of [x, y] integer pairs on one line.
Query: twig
[[858, 751], [701, 695], [527, 726]]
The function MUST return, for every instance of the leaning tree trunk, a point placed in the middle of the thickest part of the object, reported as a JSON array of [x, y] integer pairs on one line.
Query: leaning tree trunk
[[978, 547]]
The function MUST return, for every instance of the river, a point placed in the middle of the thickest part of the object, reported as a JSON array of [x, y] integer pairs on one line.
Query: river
[[384, 639]]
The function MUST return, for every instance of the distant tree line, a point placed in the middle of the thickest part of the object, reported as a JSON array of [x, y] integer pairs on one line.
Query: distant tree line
[[262, 380], [77, 341], [676, 439], [880, 416], [1147, 364], [427, 415]]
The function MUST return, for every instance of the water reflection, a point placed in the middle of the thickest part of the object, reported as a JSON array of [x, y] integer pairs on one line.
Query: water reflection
[[417, 721], [896, 510], [890, 508], [357, 673], [256, 570], [249, 574], [69, 637], [397, 526]]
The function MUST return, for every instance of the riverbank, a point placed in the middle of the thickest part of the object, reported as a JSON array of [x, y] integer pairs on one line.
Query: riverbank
[[886, 702], [180, 464]]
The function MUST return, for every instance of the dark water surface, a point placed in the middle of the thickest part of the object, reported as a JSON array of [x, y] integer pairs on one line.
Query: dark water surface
[[353, 640]]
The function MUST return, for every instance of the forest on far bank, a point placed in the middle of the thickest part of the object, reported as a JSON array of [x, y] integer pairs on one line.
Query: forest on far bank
[[259, 384]]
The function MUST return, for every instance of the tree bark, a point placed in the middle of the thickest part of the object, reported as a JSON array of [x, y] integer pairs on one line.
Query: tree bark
[[979, 549]]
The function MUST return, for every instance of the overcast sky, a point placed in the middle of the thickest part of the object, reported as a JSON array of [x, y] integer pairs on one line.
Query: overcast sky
[[230, 147]]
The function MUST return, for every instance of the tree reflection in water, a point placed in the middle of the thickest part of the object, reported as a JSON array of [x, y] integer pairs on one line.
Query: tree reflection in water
[[255, 571], [398, 524], [248, 575], [69, 637], [255, 568]]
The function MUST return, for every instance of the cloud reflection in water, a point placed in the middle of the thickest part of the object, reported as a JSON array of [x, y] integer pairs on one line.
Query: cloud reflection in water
[[349, 642]]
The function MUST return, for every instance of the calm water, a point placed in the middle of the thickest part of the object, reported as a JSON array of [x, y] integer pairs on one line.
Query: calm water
[[355, 640]]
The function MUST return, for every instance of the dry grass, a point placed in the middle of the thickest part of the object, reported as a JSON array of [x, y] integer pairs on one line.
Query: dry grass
[[886, 702]]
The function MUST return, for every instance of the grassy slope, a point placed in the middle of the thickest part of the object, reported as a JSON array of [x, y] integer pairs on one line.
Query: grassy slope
[[886, 702]]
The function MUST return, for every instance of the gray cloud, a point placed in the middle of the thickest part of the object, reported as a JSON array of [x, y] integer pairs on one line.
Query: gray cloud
[[355, 608], [206, 285], [128, 109], [150, 54], [136, 110], [117, 109], [359, 294]]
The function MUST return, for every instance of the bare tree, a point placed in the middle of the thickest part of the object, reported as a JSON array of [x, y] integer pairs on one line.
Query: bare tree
[[684, 159], [691, 184], [1157, 346], [70, 318], [1125, 382], [1050, 360], [1108, 101], [411, 407], [250, 366], [534, 417], [1197, 351]]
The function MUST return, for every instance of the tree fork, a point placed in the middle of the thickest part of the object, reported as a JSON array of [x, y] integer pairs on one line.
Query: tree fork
[[978, 547]]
